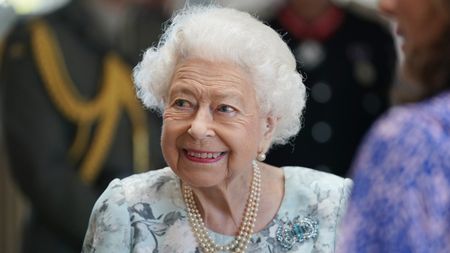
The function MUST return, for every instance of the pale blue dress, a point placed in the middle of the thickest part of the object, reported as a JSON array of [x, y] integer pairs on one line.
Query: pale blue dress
[[146, 213]]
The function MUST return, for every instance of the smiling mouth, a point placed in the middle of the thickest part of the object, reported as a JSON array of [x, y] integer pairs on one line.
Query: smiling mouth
[[205, 157]]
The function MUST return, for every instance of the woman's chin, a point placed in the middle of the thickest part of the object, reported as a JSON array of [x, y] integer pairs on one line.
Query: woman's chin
[[201, 174]]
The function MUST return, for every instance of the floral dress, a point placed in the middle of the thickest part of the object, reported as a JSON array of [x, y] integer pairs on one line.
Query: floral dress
[[147, 213], [401, 197]]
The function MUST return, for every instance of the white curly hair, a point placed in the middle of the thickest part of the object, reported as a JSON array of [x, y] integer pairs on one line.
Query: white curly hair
[[221, 34]]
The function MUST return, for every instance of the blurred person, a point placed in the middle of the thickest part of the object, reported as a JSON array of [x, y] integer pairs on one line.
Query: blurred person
[[401, 199], [263, 9], [71, 119], [348, 62], [223, 104]]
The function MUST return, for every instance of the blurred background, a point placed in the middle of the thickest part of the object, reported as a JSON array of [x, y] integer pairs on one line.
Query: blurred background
[[14, 206]]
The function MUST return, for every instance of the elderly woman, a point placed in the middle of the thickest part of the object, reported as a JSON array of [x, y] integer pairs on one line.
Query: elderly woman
[[401, 198], [228, 90]]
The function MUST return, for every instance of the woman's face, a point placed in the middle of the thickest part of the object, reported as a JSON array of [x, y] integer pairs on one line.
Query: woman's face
[[212, 126], [420, 22]]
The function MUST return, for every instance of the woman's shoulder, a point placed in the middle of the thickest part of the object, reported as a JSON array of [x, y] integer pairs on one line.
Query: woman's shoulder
[[297, 176], [152, 178], [429, 118], [319, 196], [137, 211], [411, 142], [415, 130], [315, 191], [147, 187]]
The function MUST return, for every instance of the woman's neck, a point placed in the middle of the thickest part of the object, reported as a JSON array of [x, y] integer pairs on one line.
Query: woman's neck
[[223, 206]]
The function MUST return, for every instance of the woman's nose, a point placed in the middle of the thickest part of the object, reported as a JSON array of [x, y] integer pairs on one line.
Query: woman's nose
[[201, 124], [387, 7]]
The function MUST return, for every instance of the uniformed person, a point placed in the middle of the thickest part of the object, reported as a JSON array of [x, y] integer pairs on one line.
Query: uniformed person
[[348, 63], [71, 118]]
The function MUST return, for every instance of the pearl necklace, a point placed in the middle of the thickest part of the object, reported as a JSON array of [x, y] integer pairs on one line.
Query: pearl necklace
[[239, 244]]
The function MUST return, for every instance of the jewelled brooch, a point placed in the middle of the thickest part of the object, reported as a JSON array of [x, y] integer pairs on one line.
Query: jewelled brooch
[[296, 231]]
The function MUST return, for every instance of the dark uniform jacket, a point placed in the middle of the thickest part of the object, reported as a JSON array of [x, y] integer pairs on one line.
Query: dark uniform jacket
[[348, 64], [72, 122]]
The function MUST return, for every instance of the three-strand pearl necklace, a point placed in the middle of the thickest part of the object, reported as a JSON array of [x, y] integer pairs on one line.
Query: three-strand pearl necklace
[[240, 242]]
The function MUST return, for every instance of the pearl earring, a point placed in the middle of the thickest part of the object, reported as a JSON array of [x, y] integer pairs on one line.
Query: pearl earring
[[261, 157]]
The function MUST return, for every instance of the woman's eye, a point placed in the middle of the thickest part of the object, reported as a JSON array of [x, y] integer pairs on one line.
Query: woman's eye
[[226, 109], [181, 103]]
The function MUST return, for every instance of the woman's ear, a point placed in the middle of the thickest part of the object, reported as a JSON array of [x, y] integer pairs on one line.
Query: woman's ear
[[268, 129]]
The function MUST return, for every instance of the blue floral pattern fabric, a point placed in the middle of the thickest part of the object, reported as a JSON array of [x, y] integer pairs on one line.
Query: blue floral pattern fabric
[[146, 213], [401, 197]]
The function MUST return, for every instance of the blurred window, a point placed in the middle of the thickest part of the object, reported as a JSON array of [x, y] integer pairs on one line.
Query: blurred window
[[30, 7]]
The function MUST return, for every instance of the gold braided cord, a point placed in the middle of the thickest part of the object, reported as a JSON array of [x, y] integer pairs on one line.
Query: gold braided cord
[[116, 94], [121, 73], [80, 143], [137, 115], [59, 83]]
